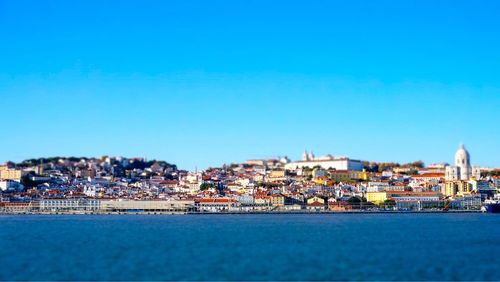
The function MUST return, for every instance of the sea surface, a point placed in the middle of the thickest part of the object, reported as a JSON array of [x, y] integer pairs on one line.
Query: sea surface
[[251, 247]]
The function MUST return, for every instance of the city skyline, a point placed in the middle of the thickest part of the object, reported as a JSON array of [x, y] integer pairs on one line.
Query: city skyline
[[306, 156], [226, 140], [201, 84]]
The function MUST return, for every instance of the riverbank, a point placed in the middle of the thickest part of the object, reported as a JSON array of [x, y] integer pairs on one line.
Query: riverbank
[[240, 213]]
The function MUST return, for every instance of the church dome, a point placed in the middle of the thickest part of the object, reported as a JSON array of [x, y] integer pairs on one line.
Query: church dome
[[326, 158], [462, 157]]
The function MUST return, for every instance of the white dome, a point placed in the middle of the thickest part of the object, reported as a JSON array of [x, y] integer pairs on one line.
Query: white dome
[[462, 157], [326, 158]]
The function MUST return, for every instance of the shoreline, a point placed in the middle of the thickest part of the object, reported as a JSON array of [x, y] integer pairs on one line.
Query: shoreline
[[244, 213]]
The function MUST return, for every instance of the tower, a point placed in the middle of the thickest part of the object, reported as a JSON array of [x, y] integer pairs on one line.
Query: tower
[[305, 156], [40, 170], [462, 161], [457, 176], [311, 156]]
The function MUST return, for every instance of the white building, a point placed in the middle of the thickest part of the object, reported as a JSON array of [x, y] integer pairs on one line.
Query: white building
[[462, 170], [144, 206], [10, 185], [377, 187], [327, 162], [69, 204]]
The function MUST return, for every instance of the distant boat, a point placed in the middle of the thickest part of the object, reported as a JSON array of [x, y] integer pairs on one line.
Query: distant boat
[[491, 206]]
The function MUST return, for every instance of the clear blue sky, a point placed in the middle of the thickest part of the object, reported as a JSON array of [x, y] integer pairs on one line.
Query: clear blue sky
[[201, 83]]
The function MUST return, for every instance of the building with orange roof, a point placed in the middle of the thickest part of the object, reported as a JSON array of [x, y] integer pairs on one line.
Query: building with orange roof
[[315, 203], [277, 200], [10, 174]]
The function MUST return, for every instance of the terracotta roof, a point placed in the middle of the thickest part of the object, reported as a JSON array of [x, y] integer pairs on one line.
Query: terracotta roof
[[169, 182], [412, 194], [430, 174], [215, 200]]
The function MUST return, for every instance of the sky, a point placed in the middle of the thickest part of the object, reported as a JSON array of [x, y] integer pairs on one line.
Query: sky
[[203, 83]]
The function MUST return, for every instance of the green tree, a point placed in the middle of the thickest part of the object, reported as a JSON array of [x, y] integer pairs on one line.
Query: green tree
[[356, 202], [206, 186], [389, 203]]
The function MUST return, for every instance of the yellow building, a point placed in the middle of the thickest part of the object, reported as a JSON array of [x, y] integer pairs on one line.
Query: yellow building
[[315, 203], [277, 175], [10, 174], [344, 175], [340, 176], [449, 189], [323, 181], [376, 197], [453, 188], [277, 200], [362, 175], [315, 199]]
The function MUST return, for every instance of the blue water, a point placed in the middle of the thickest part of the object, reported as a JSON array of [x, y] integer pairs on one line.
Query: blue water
[[251, 247]]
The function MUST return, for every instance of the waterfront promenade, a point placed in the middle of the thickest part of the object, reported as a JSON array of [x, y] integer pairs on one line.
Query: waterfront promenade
[[305, 212]]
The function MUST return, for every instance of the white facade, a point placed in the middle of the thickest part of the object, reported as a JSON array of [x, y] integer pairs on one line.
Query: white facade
[[69, 204], [377, 187], [476, 172], [462, 170], [452, 173], [10, 185], [416, 198], [128, 205], [90, 191], [462, 161], [338, 164]]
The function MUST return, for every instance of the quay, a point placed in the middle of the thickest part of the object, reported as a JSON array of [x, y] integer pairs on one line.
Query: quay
[[238, 212]]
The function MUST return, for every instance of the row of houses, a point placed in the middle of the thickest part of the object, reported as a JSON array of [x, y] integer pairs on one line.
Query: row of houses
[[388, 200]]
